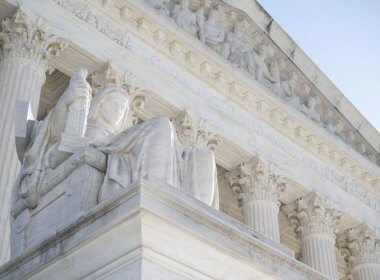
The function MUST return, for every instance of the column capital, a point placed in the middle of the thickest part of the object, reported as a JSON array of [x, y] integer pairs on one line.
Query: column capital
[[24, 37], [313, 214], [360, 245], [255, 180], [194, 132]]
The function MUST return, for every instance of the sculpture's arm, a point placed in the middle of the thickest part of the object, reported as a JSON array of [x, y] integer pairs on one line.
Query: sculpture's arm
[[267, 73], [87, 155], [221, 36]]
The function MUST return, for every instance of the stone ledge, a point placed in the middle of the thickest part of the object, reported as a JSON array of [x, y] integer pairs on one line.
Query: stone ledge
[[147, 216]]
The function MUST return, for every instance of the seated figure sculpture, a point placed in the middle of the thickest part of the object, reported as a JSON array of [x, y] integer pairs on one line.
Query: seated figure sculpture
[[55, 187], [185, 18], [290, 91], [159, 5], [214, 35], [239, 53]]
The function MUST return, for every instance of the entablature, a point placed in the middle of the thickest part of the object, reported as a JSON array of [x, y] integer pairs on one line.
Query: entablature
[[236, 87]]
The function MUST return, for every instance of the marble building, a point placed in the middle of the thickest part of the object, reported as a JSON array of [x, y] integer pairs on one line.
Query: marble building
[[177, 139]]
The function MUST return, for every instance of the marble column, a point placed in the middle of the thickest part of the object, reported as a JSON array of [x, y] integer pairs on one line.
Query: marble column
[[362, 248], [27, 47], [258, 189], [316, 221]]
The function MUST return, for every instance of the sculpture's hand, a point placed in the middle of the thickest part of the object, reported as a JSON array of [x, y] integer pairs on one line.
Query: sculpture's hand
[[78, 88], [91, 156]]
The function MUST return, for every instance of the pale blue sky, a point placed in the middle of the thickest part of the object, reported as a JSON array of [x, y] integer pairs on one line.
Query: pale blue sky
[[343, 38]]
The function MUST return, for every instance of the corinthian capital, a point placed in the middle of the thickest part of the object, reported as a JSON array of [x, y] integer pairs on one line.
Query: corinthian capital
[[254, 180], [194, 132], [313, 214], [360, 245], [24, 37]]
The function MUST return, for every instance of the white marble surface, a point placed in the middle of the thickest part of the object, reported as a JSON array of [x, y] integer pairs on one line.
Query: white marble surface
[[184, 73], [286, 153], [144, 232]]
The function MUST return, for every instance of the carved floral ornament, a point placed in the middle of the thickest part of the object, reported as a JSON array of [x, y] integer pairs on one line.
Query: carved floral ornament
[[255, 180], [359, 245], [84, 12], [234, 37], [313, 214], [22, 36]]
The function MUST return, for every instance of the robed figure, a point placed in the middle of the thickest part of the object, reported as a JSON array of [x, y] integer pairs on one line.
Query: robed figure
[[68, 174]]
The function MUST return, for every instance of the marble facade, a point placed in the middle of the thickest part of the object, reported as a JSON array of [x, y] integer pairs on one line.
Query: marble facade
[[186, 139]]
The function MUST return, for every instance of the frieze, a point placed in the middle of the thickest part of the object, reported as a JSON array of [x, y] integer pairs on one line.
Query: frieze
[[84, 12], [235, 38], [219, 105]]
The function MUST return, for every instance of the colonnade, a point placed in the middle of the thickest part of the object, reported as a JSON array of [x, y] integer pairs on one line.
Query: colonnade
[[313, 217]]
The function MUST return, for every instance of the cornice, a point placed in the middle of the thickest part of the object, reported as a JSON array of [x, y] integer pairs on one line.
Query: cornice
[[163, 35], [299, 58], [266, 54]]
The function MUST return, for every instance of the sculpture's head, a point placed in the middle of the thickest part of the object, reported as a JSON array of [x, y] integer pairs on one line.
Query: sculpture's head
[[110, 109], [185, 4], [264, 50], [312, 102], [213, 16]]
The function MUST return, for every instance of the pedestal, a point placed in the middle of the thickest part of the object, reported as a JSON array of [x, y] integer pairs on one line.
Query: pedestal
[[154, 231]]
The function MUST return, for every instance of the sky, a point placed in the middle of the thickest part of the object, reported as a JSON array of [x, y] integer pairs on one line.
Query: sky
[[343, 38]]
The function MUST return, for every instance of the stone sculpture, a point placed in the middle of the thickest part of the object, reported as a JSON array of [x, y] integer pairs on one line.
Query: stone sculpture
[[160, 6], [274, 70], [259, 66], [239, 50], [214, 35], [238, 47], [198, 143], [310, 109], [290, 91], [185, 18], [113, 154]]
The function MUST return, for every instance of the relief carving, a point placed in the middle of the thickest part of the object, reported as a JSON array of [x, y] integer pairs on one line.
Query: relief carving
[[232, 38], [185, 18]]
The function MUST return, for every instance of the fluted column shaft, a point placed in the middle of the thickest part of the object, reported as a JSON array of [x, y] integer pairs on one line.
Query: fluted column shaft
[[26, 49], [262, 216], [20, 79], [314, 218], [318, 251], [258, 189], [366, 271]]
